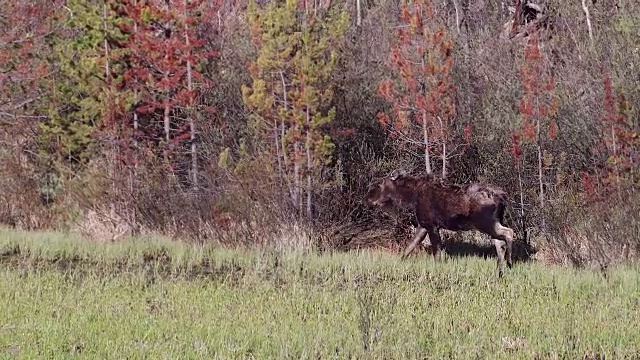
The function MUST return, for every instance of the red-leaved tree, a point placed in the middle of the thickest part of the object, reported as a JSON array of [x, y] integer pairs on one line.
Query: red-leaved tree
[[163, 51], [24, 27], [620, 138], [538, 107], [423, 99]]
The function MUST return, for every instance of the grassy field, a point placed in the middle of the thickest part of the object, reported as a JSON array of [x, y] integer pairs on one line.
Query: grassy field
[[62, 297]]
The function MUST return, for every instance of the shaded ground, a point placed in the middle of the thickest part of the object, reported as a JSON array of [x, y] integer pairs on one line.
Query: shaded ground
[[155, 263], [395, 238]]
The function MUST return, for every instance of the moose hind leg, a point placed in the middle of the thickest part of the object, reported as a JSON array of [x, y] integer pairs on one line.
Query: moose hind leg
[[506, 234], [417, 238]]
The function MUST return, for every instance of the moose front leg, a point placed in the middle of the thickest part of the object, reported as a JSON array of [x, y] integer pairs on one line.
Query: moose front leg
[[436, 243], [503, 241], [420, 234], [504, 246]]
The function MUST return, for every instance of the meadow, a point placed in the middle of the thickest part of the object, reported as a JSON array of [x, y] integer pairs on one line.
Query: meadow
[[65, 297]]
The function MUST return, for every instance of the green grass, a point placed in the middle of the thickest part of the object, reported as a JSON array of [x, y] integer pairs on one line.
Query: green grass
[[62, 297]]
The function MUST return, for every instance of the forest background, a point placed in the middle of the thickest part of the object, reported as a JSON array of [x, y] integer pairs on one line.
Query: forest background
[[265, 122]]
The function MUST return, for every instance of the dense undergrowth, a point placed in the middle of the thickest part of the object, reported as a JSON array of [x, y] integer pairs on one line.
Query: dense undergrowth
[[536, 96]]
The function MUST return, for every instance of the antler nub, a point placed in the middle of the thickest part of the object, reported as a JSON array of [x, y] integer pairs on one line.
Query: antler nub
[[395, 174]]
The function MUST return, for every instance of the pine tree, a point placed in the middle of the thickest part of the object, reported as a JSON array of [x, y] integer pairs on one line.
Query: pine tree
[[291, 91], [80, 90]]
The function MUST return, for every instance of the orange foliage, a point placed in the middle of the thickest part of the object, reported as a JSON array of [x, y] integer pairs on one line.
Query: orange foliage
[[383, 119], [516, 151], [539, 103], [552, 129], [422, 61], [467, 133], [621, 143]]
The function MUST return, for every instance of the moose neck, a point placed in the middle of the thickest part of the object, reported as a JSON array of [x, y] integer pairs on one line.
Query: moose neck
[[406, 193]]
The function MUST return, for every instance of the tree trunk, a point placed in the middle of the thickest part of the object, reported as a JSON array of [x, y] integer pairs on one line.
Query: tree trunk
[[615, 160], [444, 148], [281, 157], [523, 222], [135, 112], [114, 147], [192, 124], [309, 167], [425, 134], [167, 128], [283, 131], [588, 17], [296, 176], [467, 69], [276, 143], [632, 177], [167, 120], [456, 6], [167, 110], [295, 159], [540, 171], [134, 174]]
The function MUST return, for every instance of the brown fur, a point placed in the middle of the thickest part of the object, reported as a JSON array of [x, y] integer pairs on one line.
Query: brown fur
[[437, 205]]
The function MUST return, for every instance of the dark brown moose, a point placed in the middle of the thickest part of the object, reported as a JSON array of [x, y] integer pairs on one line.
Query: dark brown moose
[[477, 206]]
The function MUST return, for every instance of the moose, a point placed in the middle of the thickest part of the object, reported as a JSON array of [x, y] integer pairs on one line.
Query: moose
[[438, 205]]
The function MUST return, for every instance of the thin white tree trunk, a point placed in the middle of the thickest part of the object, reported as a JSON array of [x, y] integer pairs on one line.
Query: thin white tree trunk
[[192, 124], [358, 13], [425, 133], [283, 132], [540, 176], [135, 113], [444, 159], [615, 157], [425, 137], [280, 153], [296, 174], [585, 8], [444, 148], [107, 69], [540, 170], [522, 218], [167, 121], [632, 177], [167, 128], [134, 174], [107, 72], [276, 143], [309, 167], [458, 11], [167, 111]]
